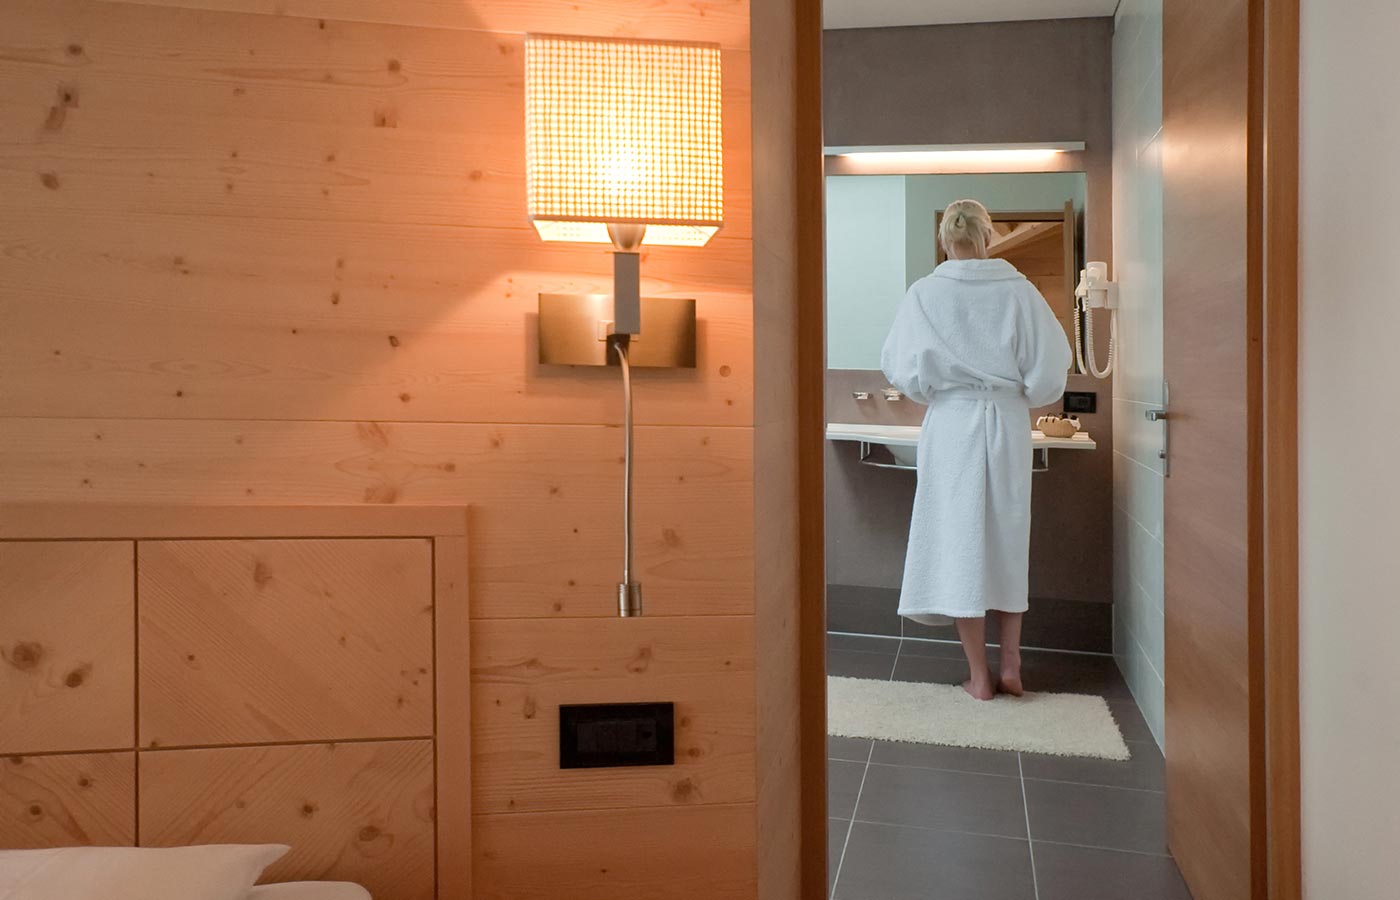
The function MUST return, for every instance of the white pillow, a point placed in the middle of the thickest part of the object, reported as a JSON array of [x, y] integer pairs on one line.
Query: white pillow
[[309, 890], [207, 872]]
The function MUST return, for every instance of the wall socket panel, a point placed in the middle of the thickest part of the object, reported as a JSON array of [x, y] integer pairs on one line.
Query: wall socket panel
[[1081, 402], [607, 735]]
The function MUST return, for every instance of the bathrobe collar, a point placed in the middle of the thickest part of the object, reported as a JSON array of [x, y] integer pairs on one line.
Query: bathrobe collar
[[977, 270]]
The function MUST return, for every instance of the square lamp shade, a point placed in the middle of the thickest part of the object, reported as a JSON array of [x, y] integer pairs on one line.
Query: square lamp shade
[[623, 132]]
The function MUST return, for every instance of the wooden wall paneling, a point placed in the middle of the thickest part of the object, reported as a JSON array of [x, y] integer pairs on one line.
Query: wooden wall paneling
[[109, 521], [68, 800], [546, 529], [358, 812], [348, 321], [722, 21], [66, 638], [256, 641], [522, 670], [388, 124], [620, 854], [453, 725]]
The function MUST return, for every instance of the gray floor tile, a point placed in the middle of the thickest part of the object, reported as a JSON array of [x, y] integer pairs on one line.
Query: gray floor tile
[[1130, 721], [1073, 673], [855, 664], [835, 842], [857, 749], [842, 787], [950, 801], [1080, 873], [1145, 771], [930, 669], [1092, 816], [957, 759], [885, 862], [862, 642]]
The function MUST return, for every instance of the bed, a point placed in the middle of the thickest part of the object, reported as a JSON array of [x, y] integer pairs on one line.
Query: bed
[[242, 675]]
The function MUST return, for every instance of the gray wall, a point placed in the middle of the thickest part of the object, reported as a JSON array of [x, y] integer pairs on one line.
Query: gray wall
[[998, 82]]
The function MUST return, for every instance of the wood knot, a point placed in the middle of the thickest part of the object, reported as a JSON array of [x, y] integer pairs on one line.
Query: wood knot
[[49, 180], [308, 810], [35, 811], [26, 655], [393, 340], [724, 371], [369, 833], [75, 49], [394, 65], [641, 662], [670, 538], [684, 790], [530, 708], [262, 574], [84, 781], [405, 397], [78, 676]]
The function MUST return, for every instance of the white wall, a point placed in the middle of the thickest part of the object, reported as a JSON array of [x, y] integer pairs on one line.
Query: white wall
[[1348, 443], [1138, 620], [864, 266]]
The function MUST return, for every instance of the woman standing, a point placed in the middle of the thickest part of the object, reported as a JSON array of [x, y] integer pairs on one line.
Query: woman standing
[[978, 343]]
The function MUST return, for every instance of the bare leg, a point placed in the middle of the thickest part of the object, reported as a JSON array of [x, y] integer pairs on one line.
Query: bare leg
[[1010, 653], [973, 634]]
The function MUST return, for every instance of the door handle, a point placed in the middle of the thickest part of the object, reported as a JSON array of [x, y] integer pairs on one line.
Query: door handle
[[1164, 416]]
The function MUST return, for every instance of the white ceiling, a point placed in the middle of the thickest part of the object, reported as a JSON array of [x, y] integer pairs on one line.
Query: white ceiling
[[880, 13]]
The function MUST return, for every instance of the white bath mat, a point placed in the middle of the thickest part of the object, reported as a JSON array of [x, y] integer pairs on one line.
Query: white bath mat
[[1060, 724]]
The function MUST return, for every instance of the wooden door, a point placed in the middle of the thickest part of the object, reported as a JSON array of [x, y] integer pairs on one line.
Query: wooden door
[[1212, 361]]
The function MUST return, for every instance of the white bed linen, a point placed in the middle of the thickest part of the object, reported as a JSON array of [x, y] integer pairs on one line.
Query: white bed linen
[[309, 890]]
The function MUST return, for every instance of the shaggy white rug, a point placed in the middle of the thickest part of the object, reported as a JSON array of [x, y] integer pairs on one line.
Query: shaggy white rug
[[1060, 724]]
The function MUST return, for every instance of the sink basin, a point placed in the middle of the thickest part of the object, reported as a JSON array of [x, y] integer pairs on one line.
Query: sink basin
[[903, 440]]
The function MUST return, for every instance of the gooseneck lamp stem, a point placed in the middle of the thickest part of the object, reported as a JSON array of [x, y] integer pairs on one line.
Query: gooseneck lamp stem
[[629, 592]]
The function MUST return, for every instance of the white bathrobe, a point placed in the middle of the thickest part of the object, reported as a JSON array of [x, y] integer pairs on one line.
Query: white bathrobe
[[978, 344]]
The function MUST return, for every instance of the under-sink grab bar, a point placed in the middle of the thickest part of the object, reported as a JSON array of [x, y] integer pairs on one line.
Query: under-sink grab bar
[[629, 592]]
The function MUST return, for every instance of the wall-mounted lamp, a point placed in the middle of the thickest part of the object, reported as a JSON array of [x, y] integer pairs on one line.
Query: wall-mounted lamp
[[624, 145]]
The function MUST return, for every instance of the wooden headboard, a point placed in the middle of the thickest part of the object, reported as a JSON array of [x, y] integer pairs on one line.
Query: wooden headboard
[[192, 675]]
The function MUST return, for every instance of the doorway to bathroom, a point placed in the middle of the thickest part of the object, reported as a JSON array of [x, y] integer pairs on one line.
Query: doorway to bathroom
[[1035, 117]]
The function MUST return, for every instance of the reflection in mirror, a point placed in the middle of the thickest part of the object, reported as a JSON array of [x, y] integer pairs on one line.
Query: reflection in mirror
[[880, 238]]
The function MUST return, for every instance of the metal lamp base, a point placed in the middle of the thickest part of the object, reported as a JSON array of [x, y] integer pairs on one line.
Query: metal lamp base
[[574, 330]]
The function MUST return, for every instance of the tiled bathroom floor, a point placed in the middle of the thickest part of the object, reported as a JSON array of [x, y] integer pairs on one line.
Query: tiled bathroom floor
[[919, 821]]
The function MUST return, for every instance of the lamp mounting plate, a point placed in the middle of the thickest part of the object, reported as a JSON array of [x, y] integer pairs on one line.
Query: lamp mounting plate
[[573, 331]]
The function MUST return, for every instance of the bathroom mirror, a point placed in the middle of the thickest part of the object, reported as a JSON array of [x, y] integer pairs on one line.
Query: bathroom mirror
[[880, 238]]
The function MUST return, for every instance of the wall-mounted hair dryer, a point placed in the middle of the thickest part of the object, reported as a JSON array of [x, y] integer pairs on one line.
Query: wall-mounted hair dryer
[[1095, 291]]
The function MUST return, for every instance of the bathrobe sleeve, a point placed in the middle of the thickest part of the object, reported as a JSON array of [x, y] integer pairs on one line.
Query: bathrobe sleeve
[[903, 358], [1043, 351]]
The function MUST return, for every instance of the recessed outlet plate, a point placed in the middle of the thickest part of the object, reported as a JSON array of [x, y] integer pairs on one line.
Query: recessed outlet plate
[[606, 735], [573, 331]]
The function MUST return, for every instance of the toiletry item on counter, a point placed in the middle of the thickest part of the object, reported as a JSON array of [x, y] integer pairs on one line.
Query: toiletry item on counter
[[1058, 426]]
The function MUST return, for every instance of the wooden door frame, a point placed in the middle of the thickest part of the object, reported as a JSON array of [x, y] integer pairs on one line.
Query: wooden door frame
[[1274, 64]]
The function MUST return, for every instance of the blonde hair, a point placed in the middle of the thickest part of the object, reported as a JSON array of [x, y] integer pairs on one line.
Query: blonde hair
[[966, 223]]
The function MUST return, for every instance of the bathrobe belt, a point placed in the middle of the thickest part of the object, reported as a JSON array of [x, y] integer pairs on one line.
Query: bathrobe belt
[[987, 393]]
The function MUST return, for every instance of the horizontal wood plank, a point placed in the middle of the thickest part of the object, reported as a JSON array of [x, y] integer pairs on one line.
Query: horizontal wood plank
[[285, 640], [269, 319], [72, 800], [522, 671], [92, 521], [546, 500], [722, 21], [67, 632], [626, 854], [351, 812]]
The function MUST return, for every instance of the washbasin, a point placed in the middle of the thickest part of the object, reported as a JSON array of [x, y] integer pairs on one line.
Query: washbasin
[[902, 442]]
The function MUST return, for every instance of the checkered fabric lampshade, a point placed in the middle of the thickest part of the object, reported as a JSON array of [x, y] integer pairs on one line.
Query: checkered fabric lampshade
[[623, 131]]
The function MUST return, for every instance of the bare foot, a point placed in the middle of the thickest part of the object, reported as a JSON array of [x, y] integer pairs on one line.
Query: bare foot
[[981, 688], [1010, 682]]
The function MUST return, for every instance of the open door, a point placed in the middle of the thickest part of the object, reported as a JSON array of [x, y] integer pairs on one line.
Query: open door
[[1227, 333]]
